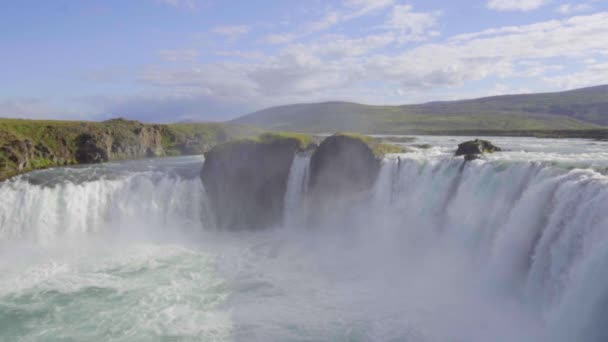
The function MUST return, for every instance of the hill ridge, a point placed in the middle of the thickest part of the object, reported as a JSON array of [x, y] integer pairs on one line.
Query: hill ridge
[[582, 108]]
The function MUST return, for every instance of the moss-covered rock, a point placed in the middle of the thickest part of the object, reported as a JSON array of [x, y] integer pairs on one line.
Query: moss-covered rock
[[246, 179], [378, 147], [472, 149]]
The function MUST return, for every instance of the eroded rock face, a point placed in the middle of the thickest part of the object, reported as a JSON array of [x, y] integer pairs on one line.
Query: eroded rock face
[[24, 155], [472, 149], [46, 145], [343, 169], [246, 182], [144, 142], [93, 149]]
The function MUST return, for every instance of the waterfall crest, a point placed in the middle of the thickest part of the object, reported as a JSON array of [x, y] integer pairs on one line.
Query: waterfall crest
[[536, 230], [143, 201]]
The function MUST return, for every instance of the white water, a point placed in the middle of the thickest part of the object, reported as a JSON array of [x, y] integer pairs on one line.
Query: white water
[[296, 191], [509, 249]]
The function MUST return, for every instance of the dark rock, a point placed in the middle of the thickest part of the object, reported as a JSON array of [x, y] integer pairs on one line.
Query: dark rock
[[342, 169], [93, 149], [472, 149], [246, 182]]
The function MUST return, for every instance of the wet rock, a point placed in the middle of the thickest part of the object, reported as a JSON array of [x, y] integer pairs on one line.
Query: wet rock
[[473, 148], [246, 181], [342, 169]]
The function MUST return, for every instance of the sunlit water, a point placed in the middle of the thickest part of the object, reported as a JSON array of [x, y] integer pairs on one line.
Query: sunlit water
[[511, 248]]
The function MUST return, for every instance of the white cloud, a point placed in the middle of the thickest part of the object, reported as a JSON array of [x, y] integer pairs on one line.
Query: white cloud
[[280, 38], [352, 9], [574, 8], [591, 75], [182, 55], [413, 26], [515, 5], [336, 66], [241, 54], [232, 32], [338, 46], [185, 4]]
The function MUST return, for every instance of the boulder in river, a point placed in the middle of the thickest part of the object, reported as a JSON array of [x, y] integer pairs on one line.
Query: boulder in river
[[473, 148]]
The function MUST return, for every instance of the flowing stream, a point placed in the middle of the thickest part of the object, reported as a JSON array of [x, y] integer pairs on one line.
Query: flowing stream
[[511, 248]]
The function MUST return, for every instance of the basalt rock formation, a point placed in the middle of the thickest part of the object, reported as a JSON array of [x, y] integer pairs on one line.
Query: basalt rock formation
[[343, 165], [342, 170], [246, 180]]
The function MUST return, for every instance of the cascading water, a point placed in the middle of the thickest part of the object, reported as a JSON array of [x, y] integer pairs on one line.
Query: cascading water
[[149, 200], [296, 190], [512, 248], [532, 229]]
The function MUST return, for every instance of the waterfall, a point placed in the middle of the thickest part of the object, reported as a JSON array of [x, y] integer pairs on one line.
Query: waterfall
[[536, 230], [297, 184], [495, 232], [139, 202]]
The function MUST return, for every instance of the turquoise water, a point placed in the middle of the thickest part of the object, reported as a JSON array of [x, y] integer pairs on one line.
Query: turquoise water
[[134, 292]]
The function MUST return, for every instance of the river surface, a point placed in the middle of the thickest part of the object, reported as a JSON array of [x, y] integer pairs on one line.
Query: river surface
[[510, 248]]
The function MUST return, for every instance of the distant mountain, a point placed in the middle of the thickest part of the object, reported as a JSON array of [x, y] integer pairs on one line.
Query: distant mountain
[[585, 108]]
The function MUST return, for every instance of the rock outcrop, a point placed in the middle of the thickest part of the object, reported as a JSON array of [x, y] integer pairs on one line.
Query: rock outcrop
[[246, 180], [27, 145], [93, 149], [342, 171], [471, 150], [343, 165]]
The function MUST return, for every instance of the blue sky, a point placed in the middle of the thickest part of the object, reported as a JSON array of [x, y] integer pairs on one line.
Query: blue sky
[[175, 60]]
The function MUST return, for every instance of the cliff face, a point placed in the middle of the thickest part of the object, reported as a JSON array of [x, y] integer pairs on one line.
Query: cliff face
[[141, 142], [246, 180], [27, 145]]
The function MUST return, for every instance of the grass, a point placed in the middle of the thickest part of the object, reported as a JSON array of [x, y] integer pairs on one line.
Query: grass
[[375, 144], [61, 138], [303, 141]]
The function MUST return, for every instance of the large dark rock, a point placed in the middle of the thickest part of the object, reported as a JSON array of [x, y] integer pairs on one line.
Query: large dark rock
[[472, 149], [342, 169], [93, 149], [246, 182]]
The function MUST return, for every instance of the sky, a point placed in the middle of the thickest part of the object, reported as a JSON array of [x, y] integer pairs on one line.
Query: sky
[[213, 60]]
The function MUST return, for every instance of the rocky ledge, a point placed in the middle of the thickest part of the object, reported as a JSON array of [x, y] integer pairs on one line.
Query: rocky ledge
[[246, 179]]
